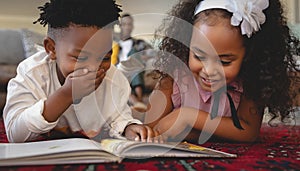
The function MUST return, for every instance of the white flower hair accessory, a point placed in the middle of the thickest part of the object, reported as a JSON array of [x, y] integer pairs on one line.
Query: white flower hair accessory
[[246, 13]]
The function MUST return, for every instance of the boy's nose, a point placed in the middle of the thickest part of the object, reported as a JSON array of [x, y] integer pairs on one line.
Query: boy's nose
[[93, 67]]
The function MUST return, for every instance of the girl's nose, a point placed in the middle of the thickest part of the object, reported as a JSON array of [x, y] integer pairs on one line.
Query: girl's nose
[[211, 68]]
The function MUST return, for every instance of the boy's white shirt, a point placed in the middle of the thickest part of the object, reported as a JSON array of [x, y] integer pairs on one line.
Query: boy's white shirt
[[37, 79]]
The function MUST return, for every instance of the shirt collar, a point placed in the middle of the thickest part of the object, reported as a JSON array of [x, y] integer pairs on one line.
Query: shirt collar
[[206, 95]]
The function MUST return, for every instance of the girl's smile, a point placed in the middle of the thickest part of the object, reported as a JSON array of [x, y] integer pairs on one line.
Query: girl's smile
[[209, 82]]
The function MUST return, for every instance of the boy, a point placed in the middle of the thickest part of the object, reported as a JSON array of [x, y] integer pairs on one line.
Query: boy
[[71, 87]]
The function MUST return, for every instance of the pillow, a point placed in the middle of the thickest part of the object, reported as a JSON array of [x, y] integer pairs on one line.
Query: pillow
[[11, 46], [39, 47], [30, 40], [296, 29]]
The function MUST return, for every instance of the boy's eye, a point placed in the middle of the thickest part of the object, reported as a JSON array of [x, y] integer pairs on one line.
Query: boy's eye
[[106, 57], [81, 58]]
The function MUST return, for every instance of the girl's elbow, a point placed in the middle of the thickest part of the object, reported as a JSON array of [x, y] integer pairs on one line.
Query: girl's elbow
[[250, 138]]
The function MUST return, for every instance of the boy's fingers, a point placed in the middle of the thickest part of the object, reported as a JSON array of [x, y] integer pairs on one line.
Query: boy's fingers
[[146, 134], [101, 72], [150, 133], [137, 138], [143, 134], [79, 72], [93, 75]]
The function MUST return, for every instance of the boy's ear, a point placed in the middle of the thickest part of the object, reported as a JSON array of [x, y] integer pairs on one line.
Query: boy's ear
[[49, 45]]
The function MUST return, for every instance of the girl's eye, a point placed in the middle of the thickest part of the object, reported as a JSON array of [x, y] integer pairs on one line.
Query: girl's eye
[[200, 58], [225, 62]]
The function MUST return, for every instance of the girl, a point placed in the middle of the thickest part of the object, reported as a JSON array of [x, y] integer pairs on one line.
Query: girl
[[235, 56]]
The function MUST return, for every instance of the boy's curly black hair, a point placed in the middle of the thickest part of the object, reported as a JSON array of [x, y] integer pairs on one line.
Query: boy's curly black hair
[[269, 54], [63, 13]]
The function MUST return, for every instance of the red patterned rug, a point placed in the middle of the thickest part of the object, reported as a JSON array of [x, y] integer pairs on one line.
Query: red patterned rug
[[277, 149]]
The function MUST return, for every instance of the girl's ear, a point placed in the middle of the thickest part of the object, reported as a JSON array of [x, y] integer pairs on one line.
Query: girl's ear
[[49, 45]]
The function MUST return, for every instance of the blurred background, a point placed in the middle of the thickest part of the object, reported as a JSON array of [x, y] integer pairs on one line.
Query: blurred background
[[21, 13]]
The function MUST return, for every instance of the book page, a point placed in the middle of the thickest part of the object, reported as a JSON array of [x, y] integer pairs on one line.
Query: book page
[[79, 150], [133, 149], [21, 150], [115, 146]]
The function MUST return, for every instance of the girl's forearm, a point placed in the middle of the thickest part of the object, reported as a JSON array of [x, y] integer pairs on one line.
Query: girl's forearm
[[220, 126]]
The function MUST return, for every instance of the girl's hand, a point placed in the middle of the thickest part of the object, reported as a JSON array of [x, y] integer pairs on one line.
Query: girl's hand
[[82, 82], [142, 133], [173, 125]]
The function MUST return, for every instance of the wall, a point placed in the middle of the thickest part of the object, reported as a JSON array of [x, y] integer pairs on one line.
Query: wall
[[292, 10], [147, 14], [20, 14]]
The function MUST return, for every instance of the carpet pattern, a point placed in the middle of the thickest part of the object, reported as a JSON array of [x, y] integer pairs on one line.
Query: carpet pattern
[[277, 149]]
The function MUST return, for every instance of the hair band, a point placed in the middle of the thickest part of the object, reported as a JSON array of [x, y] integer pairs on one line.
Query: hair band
[[246, 13]]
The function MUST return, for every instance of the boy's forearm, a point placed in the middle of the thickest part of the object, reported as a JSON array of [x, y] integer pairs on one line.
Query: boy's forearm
[[56, 105]]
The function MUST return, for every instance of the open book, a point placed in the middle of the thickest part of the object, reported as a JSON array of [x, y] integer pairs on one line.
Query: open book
[[79, 150]]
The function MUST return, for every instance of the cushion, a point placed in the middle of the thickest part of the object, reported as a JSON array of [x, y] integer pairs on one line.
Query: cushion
[[30, 40], [11, 46], [296, 29], [6, 73], [2, 101]]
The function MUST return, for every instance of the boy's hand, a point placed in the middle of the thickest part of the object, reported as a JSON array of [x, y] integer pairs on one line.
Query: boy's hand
[[82, 82], [142, 133]]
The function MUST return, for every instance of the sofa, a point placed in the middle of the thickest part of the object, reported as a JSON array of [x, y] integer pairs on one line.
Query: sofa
[[15, 46]]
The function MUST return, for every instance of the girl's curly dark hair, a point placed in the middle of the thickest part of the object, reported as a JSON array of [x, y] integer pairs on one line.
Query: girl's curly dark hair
[[62, 13], [270, 54]]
